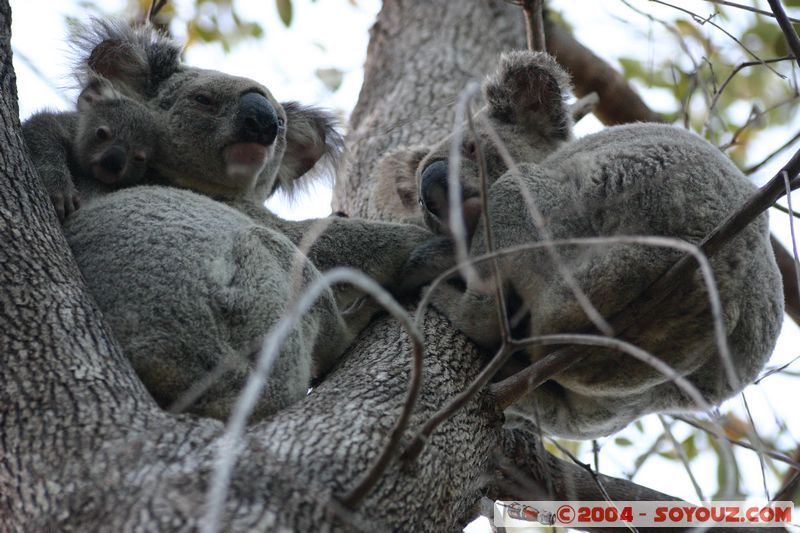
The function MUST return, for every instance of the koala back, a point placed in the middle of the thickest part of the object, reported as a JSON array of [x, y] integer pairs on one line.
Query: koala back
[[190, 288]]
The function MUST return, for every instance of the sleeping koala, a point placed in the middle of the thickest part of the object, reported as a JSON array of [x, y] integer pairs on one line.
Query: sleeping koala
[[190, 283], [640, 179]]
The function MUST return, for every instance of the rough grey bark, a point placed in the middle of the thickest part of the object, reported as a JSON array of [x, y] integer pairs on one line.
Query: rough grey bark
[[82, 445], [421, 56]]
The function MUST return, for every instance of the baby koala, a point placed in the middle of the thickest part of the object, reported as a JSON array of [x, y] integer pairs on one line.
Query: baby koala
[[105, 145], [633, 180]]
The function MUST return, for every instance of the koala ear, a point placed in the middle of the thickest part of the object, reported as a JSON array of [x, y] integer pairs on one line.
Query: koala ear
[[311, 136], [135, 59], [528, 90], [98, 90]]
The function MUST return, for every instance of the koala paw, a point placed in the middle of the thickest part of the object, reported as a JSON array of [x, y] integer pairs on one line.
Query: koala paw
[[426, 262], [65, 203]]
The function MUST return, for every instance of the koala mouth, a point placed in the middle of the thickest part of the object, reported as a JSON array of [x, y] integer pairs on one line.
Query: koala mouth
[[244, 161]]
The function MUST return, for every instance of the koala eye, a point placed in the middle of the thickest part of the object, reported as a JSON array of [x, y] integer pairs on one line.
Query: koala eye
[[139, 157], [281, 123], [103, 133], [202, 99]]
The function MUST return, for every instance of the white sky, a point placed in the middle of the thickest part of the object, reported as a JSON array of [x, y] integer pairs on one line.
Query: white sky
[[333, 33]]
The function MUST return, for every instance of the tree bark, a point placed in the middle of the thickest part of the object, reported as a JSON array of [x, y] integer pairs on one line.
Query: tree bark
[[83, 446]]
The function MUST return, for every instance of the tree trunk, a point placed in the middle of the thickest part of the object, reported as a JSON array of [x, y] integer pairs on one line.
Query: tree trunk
[[83, 447]]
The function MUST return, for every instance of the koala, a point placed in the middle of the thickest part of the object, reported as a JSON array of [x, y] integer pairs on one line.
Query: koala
[[639, 179], [191, 276], [106, 144]]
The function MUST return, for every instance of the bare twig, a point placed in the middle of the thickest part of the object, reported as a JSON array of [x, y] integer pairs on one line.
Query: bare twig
[[227, 449], [500, 298], [749, 170], [786, 27], [755, 115], [455, 212], [703, 20], [739, 68], [772, 454], [776, 370], [588, 469], [749, 8], [755, 438], [791, 482], [681, 453], [540, 224]]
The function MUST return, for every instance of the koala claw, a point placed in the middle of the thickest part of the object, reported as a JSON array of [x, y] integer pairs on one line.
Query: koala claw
[[426, 262], [65, 203]]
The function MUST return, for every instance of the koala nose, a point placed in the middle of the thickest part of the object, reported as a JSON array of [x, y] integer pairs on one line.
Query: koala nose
[[113, 159], [256, 120], [433, 188]]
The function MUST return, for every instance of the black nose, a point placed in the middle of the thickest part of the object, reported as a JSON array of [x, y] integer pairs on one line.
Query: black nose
[[113, 159], [433, 188], [256, 120]]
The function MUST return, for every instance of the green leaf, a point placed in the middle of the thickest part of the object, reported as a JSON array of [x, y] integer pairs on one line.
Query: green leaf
[[285, 11], [330, 77], [622, 441]]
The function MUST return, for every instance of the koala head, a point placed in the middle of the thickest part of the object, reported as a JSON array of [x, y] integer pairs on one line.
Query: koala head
[[525, 110], [117, 137], [225, 136]]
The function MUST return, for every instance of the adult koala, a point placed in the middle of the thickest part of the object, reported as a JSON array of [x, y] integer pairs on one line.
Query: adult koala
[[641, 179], [190, 285]]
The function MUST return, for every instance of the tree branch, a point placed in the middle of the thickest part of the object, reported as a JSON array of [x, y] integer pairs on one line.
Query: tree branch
[[786, 27]]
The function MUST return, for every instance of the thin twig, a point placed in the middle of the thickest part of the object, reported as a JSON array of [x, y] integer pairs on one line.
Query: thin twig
[[681, 453], [786, 210], [786, 27], [595, 476], [767, 159], [755, 115], [741, 66], [772, 454], [755, 438], [748, 8], [228, 446], [454, 194], [500, 298], [702, 20], [540, 224], [776, 370]]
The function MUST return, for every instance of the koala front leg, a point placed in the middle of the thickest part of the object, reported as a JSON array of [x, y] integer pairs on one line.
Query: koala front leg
[[471, 311], [400, 257], [48, 136]]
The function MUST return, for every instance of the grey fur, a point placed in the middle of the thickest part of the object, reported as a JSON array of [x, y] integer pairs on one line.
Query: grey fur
[[190, 285], [73, 150], [641, 179]]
